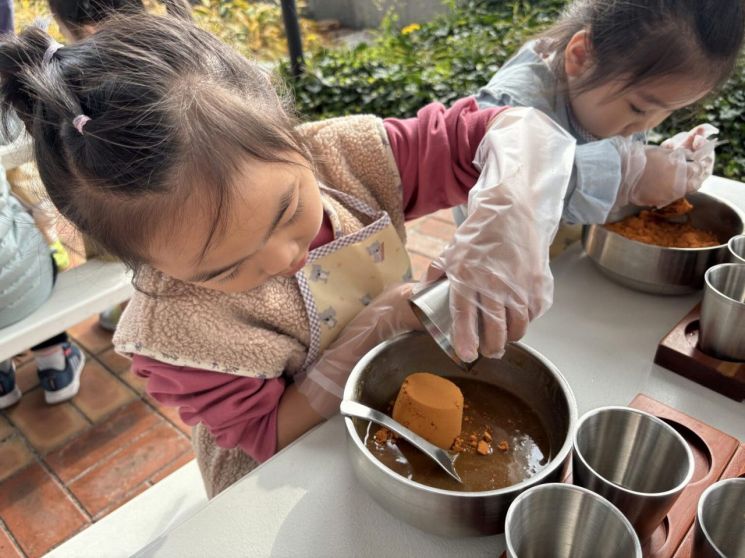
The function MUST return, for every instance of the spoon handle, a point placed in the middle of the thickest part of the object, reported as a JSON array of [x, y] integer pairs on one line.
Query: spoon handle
[[353, 409]]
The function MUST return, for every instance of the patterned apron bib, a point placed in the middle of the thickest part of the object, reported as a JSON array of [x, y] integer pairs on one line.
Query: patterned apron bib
[[345, 275]]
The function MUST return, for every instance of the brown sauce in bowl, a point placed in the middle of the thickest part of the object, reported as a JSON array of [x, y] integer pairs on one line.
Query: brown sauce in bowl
[[518, 444]]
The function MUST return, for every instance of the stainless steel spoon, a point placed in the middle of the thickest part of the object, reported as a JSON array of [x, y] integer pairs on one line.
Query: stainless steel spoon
[[445, 459]]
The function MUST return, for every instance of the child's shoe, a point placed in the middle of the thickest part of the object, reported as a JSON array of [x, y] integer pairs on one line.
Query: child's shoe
[[60, 255], [63, 384], [109, 318], [9, 392]]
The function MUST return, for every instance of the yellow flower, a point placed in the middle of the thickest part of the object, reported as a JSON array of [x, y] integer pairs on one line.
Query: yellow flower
[[410, 28]]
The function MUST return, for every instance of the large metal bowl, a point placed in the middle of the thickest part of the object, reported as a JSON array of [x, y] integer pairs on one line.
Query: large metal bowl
[[523, 372], [659, 270]]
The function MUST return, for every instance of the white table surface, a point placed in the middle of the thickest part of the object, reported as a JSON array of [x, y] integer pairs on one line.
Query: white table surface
[[306, 502]]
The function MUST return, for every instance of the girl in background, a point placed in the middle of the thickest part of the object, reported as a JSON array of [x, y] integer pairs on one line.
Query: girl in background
[[609, 71]]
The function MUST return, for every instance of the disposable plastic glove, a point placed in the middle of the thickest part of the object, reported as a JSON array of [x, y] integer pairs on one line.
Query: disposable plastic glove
[[388, 315], [699, 145], [659, 175], [497, 262]]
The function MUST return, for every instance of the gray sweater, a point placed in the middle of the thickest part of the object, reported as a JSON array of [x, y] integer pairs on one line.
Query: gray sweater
[[26, 272]]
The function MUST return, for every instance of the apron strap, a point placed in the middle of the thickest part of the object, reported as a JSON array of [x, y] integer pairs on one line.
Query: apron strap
[[351, 201]]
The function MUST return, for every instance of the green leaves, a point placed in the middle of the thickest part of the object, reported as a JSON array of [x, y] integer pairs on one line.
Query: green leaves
[[401, 70]]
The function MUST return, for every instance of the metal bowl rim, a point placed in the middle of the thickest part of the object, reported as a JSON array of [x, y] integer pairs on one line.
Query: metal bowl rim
[[570, 488], [578, 454], [557, 460], [700, 507]]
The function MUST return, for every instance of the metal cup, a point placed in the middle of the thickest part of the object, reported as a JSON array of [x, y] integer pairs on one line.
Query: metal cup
[[635, 460], [736, 247], [720, 521], [723, 312], [563, 521], [431, 306]]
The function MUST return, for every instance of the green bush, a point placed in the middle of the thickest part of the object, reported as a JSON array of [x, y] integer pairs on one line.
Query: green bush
[[399, 71]]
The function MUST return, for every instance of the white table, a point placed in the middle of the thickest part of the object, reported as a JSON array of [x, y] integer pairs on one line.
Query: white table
[[306, 501]]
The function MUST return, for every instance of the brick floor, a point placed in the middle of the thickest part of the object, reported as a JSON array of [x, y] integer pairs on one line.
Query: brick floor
[[84, 458], [37, 510], [8, 548], [65, 466]]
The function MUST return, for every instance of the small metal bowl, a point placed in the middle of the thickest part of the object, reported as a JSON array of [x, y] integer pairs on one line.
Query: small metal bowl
[[660, 270], [525, 373]]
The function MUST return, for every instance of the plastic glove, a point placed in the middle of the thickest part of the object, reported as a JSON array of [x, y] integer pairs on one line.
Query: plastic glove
[[659, 175], [497, 262], [699, 145], [388, 315]]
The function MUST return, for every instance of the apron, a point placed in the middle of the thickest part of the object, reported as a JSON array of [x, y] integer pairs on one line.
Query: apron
[[345, 275]]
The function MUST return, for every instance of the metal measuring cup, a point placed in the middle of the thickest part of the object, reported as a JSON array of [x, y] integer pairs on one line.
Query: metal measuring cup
[[431, 306]]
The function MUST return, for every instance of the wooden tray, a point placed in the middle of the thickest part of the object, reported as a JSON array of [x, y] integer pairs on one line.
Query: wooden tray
[[678, 352], [736, 468]]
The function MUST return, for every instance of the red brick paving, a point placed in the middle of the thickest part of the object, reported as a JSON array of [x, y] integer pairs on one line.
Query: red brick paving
[[8, 549], [114, 361], [89, 335], [105, 446], [37, 510], [46, 427], [101, 441], [6, 429], [101, 393], [65, 466], [14, 456], [119, 474]]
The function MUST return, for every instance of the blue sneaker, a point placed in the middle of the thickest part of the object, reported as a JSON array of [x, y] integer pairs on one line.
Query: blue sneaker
[[9, 392], [61, 385]]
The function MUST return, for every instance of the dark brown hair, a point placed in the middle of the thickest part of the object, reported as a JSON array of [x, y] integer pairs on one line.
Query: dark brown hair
[[644, 40], [75, 14], [173, 113]]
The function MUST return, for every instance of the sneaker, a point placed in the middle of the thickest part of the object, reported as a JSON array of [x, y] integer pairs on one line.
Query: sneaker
[[61, 385], [109, 318], [9, 392]]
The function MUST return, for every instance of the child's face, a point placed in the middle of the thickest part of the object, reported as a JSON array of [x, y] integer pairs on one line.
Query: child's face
[[274, 215], [615, 109]]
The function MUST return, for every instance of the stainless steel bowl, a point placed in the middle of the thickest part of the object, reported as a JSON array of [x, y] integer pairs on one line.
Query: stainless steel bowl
[[659, 270], [375, 381]]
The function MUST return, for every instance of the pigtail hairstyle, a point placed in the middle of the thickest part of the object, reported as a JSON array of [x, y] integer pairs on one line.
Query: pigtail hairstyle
[[170, 115]]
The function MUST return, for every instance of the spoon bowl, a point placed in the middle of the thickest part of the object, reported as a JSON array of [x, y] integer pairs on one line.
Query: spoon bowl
[[445, 459]]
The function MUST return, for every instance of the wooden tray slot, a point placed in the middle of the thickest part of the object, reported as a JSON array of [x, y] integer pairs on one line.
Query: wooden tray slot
[[678, 352]]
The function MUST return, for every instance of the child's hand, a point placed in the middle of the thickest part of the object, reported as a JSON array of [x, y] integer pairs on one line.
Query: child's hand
[[676, 168], [663, 180], [497, 263], [388, 315]]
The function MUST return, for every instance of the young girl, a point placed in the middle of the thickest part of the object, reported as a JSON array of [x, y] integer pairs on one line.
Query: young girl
[[267, 254], [608, 72]]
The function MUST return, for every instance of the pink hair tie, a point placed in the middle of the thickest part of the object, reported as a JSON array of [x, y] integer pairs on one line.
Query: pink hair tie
[[79, 121]]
